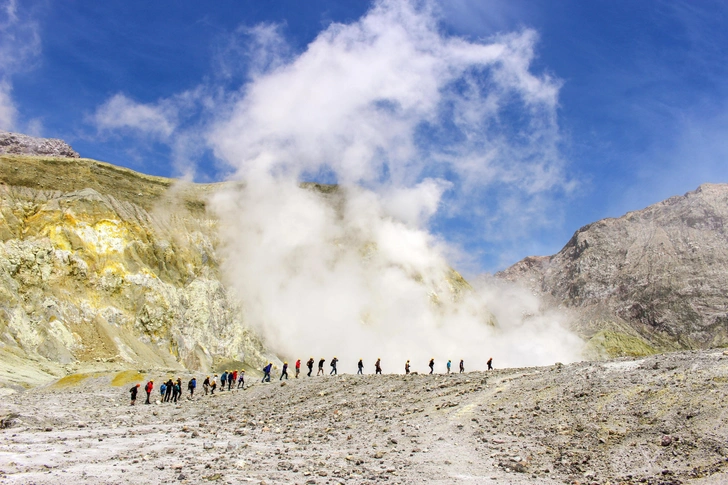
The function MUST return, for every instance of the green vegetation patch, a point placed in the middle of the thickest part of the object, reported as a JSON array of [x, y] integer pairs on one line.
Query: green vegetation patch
[[615, 344]]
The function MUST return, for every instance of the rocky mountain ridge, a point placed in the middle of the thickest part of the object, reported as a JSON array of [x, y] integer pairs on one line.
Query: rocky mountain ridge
[[651, 280]]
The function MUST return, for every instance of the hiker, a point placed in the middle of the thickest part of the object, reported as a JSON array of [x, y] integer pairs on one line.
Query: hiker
[[462, 366], [406, 367], [168, 392], [321, 367], [432, 366], [449, 363], [223, 381], [309, 364], [235, 379], [241, 379], [177, 392], [191, 386], [133, 392], [360, 366], [333, 366], [298, 367], [490, 363], [378, 366], [213, 384], [162, 390], [148, 389], [206, 385], [266, 372], [284, 371]]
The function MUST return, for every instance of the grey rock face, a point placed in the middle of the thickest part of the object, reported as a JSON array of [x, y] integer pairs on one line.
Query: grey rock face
[[658, 274], [27, 145]]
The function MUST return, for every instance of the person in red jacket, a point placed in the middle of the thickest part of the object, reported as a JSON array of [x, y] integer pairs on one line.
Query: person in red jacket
[[148, 389], [298, 367]]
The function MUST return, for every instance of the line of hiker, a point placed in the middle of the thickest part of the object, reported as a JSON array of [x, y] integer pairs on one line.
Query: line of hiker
[[171, 391]]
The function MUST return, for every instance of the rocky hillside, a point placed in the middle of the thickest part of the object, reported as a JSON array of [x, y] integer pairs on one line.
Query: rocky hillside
[[100, 264], [27, 145], [652, 280], [656, 421]]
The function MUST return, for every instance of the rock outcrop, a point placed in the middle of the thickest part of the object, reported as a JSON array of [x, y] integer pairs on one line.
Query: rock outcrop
[[103, 265], [20, 144], [652, 280]]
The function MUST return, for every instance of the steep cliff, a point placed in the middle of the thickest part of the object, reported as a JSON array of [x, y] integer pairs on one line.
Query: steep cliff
[[652, 280], [99, 264]]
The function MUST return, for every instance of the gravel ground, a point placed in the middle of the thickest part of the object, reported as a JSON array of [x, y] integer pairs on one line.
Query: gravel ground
[[659, 420]]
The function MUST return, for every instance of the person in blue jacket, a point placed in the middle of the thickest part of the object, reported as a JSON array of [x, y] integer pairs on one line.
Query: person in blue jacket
[[266, 372], [223, 380]]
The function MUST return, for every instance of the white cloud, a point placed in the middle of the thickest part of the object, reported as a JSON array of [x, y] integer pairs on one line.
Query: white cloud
[[120, 112], [8, 112], [19, 47]]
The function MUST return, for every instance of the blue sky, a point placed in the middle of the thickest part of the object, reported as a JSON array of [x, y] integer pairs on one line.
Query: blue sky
[[639, 112]]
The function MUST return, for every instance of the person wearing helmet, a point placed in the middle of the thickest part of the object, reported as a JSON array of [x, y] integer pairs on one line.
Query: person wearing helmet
[[148, 389], [360, 367], [407, 367], [191, 386], [284, 372], [462, 366], [378, 366], [168, 391], [449, 363], [133, 391], [206, 385], [223, 380], [333, 366], [266, 372], [321, 367], [213, 384], [309, 364], [241, 379], [432, 366], [234, 379], [298, 367]]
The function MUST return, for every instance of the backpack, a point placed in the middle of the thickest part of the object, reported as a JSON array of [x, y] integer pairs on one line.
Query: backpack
[[162, 388]]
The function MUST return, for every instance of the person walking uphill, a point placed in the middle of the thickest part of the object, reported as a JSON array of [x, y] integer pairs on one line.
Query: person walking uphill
[[148, 389], [235, 379], [407, 367], [133, 391], [284, 372], [462, 366], [360, 367], [168, 391], [378, 366], [432, 366], [206, 385], [309, 364], [241, 379], [333, 366], [191, 386], [321, 367], [223, 380], [490, 363], [449, 363], [266, 372], [298, 367]]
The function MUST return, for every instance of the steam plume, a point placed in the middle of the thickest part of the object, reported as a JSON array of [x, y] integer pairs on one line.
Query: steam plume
[[400, 115]]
